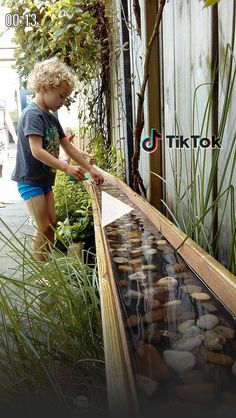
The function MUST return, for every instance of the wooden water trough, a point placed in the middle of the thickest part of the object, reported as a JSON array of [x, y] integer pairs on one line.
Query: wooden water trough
[[125, 325]]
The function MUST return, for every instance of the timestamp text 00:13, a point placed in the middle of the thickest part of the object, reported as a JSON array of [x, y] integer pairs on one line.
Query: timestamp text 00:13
[[15, 20]]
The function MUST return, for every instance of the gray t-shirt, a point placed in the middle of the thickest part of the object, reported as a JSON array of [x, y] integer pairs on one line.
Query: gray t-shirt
[[36, 121]]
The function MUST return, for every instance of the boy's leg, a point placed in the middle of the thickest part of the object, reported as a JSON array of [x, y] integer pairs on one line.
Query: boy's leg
[[51, 214], [41, 209]]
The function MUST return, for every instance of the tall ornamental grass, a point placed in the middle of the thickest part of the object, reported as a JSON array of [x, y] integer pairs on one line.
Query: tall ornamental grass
[[51, 346], [203, 189]]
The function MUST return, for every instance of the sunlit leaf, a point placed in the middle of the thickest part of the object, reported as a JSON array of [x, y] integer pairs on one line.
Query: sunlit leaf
[[209, 3]]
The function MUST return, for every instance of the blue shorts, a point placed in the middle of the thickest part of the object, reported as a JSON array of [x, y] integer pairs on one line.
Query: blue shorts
[[29, 190]]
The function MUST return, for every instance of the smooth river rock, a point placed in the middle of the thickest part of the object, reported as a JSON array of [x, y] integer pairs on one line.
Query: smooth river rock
[[226, 332], [150, 362], [207, 321], [146, 385], [154, 316], [120, 260], [134, 294], [193, 331], [139, 276], [154, 304], [167, 282], [133, 321], [188, 343], [152, 334], [200, 296], [180, 361], [219, 358], [185, 325], [214, 341], [209, 307], [191, 288]]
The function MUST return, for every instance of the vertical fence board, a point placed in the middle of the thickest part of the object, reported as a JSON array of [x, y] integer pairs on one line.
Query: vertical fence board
[[226, 17], [168, 80]]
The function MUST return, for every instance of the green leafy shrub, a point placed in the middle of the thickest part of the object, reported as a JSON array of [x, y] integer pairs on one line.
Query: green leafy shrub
[[107, 157], [73, 210]]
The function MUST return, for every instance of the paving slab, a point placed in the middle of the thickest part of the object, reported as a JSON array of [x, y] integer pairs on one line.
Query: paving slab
[[15, 228]]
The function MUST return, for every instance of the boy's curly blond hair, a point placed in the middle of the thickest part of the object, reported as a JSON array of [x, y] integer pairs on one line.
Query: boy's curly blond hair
[[50, 73]]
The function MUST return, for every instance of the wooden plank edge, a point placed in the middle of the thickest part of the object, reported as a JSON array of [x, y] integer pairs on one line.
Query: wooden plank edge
[[121, 389]]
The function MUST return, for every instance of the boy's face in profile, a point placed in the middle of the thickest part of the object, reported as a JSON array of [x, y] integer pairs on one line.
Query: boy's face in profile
[[54, 97]]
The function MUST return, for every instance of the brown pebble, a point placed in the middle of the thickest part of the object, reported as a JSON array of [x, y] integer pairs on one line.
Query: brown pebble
[[169, 282], [182, 275], [162, 294], [154, 316], [226, 332], [152, 334], [136, 253], [200, 296], [133, 234], [112, 236], [176, 268], [119, 253], [219, 358], [161, 242], [136, 267], [125, 268], [133, 321], [135, 241], [135, 261], [135, 294], [154, 304], [150, 267], [123, 283], [148, 355]]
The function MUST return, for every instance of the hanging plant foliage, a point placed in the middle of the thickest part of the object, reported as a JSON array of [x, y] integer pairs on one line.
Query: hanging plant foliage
[[65, 28]]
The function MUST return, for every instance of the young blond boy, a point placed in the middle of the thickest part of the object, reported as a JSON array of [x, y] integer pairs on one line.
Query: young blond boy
[[39, 137]]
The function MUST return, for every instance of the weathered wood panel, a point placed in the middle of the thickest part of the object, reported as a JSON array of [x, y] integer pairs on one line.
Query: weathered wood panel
[[186, 84], [227, 58]]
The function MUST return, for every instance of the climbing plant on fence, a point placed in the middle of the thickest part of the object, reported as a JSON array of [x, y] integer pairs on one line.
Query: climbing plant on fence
[[76, 32], [64, 28], [138, 185]]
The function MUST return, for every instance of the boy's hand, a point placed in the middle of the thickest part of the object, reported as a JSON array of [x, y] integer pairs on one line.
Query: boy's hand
[[70, 137], [75, 171], [97, 177]]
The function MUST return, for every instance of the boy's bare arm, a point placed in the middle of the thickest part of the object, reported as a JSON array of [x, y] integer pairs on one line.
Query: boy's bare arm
[[78, 157], [45, 157]]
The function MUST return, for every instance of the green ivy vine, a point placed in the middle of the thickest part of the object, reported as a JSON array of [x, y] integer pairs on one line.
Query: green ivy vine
[[65, 28], [77, 33]]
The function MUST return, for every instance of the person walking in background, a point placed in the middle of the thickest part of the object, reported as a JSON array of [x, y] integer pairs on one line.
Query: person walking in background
[[39, 137], [6, 125], [65, 157]]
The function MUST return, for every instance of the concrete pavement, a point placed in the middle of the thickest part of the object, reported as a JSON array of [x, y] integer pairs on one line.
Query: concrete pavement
[[14, 220]]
